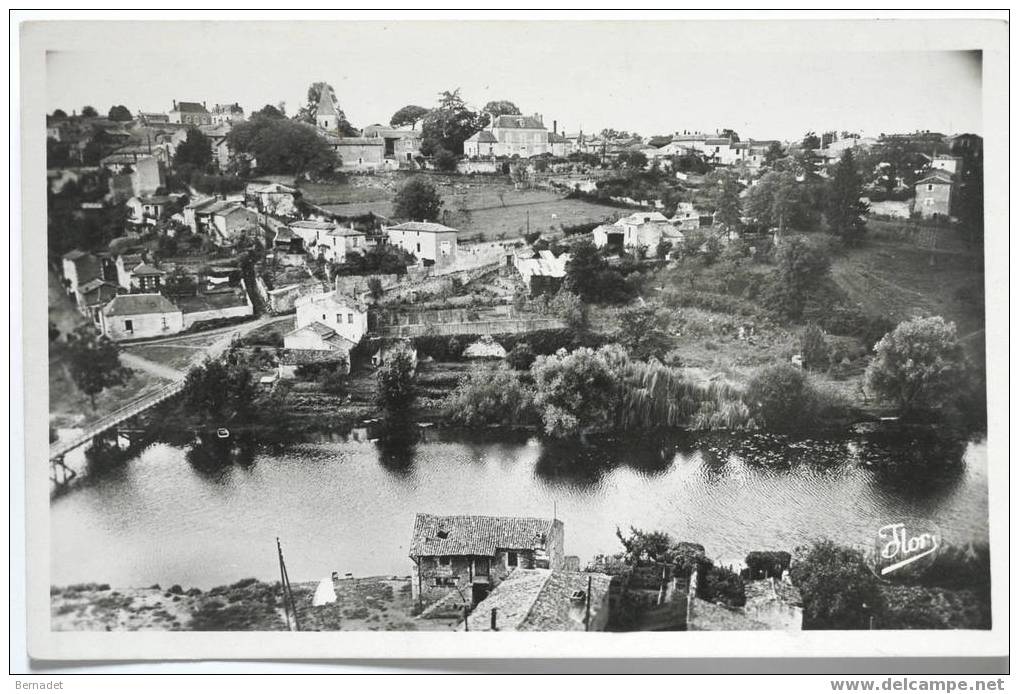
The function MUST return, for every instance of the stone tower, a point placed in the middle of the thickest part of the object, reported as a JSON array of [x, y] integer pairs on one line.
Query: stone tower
[[326, 116]]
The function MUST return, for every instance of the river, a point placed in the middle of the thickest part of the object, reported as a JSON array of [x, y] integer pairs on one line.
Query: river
[[199, 517]]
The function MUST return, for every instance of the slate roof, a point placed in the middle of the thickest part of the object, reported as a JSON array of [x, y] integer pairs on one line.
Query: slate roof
[[521, 122], [482, 136], [429, 227], [190, 107], [476, 535], [138, 304], [540, 600], [326, 107], [312, 224]]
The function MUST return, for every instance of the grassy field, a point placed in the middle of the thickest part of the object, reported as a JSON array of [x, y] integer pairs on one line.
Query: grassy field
[[487, 207]]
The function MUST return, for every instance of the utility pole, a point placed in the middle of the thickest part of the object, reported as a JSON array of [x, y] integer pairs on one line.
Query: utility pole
[[288, 591], [283, 583]]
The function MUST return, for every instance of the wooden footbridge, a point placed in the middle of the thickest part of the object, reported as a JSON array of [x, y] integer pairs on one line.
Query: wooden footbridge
[[60, 474]]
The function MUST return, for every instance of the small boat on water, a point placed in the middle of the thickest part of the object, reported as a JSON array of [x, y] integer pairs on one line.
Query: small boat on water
[[223, 433]]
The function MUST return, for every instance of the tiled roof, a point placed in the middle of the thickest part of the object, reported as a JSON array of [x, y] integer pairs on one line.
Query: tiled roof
[[640, 217], [540, 600], [476, 535], [312, 224], [391, 133], [936, 176], [190, 107], [421, 226], [360, 141], [345, 231], [523, 122], [482, 136], [144, 269], [138, 304], [299, 357]]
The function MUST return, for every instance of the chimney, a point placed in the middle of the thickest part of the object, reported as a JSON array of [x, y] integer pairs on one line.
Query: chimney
[[174, 104], [555, 126], [203, 105]]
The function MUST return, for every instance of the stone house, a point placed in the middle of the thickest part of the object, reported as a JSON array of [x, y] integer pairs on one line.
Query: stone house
[[477, 552], [360, 153], [525, 136], [432, 244], [346, 317], [135, 275], [401, 146], [230, 222], [935, 194], [147, 210], [190, 113], [947, 163], [134, 316], [273, 199], [93, 295], [315, 343], [545, 600], [543, 274], [481, 144], [639, 232], [227, 114], [78, 267]]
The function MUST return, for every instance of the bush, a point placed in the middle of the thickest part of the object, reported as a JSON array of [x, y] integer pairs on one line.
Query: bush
[[486, 397], [814, 347], [782, 398], [718, 584], [521, 357], [839, 591]]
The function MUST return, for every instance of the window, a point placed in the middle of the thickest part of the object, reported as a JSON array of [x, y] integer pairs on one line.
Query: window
[[350, 318], [419, 248], [339, 318], [129, 326], [511, 559], [165, 324], [445, 561], [930, 186], [323, 316]]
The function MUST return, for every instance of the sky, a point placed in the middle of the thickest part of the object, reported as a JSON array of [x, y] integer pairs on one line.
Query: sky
[[651, 78]]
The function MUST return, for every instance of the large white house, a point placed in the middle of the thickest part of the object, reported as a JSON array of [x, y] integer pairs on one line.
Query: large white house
[[432, 244], [641, 231], [329, 326], [524, 136]]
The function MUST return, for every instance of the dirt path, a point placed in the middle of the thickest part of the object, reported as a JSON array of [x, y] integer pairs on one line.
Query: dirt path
[[133, 361]]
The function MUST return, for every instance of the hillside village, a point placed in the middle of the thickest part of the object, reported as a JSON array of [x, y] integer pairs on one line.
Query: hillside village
[[449, 266]]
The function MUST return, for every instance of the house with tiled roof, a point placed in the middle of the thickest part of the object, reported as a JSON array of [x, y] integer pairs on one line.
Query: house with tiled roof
[[431, 243], [148, 209], [134, 316], [475, 553], [935, 195], [638, 232], [481, 144], [190, 113], [545, 600], [524, 136], [78, 267], [93, 295], [314, 343], [401, 146], [333, 311]]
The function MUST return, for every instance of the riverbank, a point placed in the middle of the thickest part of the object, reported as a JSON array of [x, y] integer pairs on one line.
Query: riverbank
[[377, 603]]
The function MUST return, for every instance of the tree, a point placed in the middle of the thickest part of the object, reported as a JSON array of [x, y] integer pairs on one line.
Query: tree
[[89, 112], [408, 115], [486, 396], [444, 159], [94, 363], [569, 308], [642, 331], [417, 199], [119, 113], [845, 212], [449, 124], [773, 154], [779, 200], [838, 590], [395, 379], [575, 393], [814, 347], [194, 153], [310, 108], [268, 111], [589, 276], [500, 108], [800, 268], [781, 398], [920, 365], [375, 289], [218, 391], [633, 160], [723, 191], [60, 113], [283, 146], [811, 141]]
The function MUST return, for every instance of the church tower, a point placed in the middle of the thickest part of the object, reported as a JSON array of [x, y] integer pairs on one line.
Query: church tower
[[326, 116]]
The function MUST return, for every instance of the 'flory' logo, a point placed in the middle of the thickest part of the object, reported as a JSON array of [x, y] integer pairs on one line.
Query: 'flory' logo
[[899, 545]]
